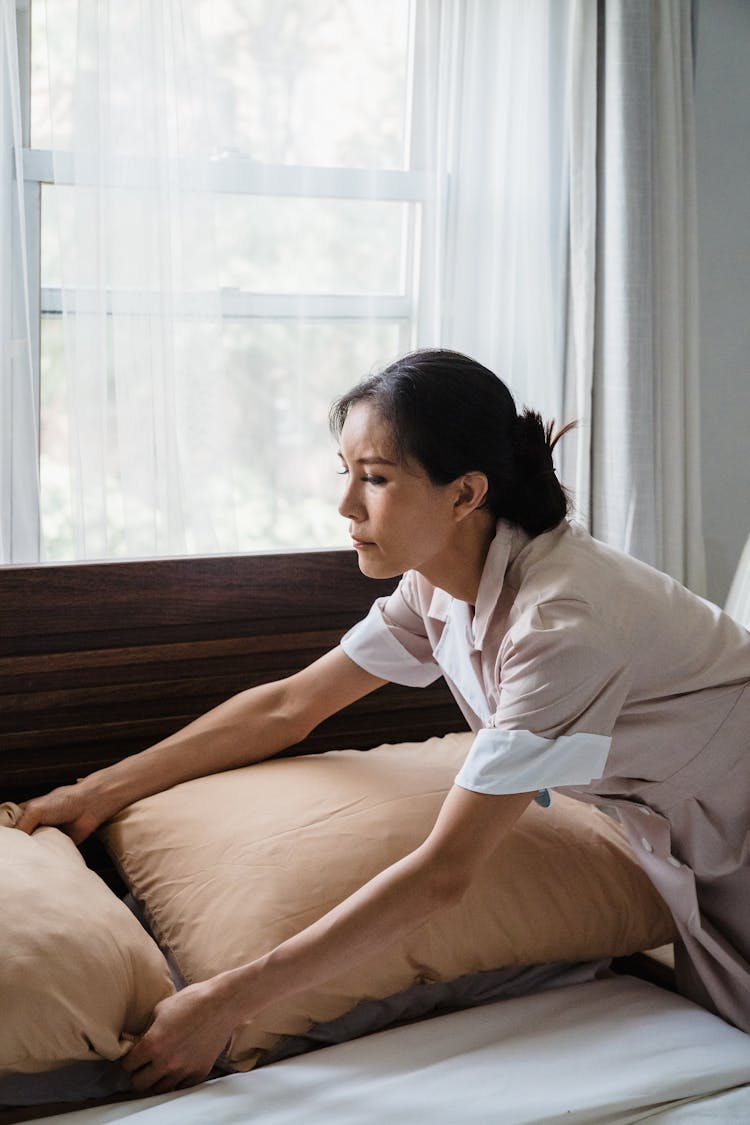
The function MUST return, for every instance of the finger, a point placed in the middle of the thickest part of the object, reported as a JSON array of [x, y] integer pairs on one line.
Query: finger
[[191, 1080], [163, 1087], [145, 1080], [167, 1085], [147, 1074], [137, 1057], [28, 821]]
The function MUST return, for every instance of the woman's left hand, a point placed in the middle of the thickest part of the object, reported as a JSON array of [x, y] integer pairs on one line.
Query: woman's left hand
[[186, 1035]]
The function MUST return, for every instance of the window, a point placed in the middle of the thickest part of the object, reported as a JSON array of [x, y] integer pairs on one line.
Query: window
[[307, 280], [235, 209]]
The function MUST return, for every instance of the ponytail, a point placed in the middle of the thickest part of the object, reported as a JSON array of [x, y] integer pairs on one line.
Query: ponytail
[[535, 500]]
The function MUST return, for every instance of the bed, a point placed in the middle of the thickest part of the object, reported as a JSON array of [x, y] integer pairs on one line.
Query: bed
[[100, 660]]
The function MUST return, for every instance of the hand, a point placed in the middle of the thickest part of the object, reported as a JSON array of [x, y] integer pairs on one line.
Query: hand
[[186, 1035], [70, 808]]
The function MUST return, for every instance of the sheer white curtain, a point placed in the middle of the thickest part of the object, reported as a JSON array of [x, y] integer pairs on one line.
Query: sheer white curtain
[[633, 362], [494, 119], [228, 254], [19, 485], [562, 245], [145, 384], [227, 212], [161, 370]]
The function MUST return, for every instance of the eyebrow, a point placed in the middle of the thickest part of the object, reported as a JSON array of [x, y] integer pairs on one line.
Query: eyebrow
[[370, 460]]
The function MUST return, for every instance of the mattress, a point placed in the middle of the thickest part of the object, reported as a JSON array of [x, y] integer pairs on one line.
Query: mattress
[[613, 1050]]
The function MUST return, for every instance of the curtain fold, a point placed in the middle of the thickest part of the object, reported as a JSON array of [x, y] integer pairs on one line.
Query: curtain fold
[[738, 599], [637, 467], [493, 136], [578, 374], [19, 479]]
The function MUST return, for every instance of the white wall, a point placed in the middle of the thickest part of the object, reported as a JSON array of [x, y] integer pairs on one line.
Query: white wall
[[723, 159]]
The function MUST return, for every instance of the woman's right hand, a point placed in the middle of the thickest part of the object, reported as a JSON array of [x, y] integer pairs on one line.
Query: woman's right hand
[[71, 808]]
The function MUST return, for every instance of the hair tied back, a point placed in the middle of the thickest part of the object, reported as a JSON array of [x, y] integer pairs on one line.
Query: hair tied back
[[553, 440], [538, 497]]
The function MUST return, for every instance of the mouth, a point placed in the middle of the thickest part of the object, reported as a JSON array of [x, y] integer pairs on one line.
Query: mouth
[[361, 544]]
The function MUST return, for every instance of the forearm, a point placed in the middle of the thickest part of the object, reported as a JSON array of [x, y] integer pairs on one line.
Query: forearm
[[249, 727], [191, 1028], [468, 829], [390, 905]]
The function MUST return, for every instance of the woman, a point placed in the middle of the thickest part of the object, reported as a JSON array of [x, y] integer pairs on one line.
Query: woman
[[576, 665]]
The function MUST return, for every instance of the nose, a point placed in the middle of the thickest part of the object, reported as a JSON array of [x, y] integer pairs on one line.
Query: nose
[[350, 505]]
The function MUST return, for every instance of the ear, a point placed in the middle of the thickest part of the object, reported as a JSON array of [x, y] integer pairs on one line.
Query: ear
[[471, 490]]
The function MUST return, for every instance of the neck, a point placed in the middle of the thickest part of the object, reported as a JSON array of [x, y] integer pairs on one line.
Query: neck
[[458, 569]]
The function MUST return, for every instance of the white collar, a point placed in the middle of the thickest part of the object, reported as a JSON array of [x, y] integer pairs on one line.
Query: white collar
[[509, 541]]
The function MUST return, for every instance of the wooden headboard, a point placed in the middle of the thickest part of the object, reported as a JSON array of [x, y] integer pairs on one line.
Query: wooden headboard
[[100, 660]]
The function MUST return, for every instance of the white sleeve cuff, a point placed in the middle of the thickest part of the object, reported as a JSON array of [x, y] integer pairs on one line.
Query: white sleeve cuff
[[516, 761], [373, 645]]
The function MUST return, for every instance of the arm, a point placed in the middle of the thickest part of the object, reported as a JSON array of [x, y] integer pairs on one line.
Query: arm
[[249, 727], [191, 1029]]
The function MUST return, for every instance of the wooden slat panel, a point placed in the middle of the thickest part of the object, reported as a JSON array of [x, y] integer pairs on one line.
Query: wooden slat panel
[[392, 705], [173, 597], [98, 661], [50, 761]]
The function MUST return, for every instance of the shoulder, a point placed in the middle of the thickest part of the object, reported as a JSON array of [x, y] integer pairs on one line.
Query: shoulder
[[561, 669], [580, 580], [570, 603], [566, 632], [565, 561]]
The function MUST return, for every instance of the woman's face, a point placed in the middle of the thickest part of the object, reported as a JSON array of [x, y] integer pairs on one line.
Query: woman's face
[[398, 519]]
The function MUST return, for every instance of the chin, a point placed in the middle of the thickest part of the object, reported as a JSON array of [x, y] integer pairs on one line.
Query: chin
[[376, 568]]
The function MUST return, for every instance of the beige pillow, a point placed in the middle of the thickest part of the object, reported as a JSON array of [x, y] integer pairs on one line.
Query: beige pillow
[[230, 865], [76, 968]]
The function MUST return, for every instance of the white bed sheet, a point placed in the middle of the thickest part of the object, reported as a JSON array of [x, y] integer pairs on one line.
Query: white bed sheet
[[616, 1050]]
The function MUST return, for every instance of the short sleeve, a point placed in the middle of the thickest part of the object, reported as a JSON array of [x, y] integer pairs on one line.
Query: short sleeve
[[392, 642], [564, 678]]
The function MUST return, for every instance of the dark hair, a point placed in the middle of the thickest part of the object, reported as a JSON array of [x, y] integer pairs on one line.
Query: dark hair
[[454, 416]]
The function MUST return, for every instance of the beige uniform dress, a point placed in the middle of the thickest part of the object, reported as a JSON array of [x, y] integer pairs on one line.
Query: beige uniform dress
[[584, 669]]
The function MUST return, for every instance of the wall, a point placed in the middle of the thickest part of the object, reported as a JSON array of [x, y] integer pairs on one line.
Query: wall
[[723, 187]]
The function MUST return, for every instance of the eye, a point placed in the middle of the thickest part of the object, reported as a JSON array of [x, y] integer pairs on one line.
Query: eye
[[342, 472], [369, 479]]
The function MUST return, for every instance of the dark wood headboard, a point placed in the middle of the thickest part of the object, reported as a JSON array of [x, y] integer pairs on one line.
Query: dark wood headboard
[[100, 660]]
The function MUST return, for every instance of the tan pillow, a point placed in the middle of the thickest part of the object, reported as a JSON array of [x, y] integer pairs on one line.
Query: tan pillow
[[76, 968], [230, 865]]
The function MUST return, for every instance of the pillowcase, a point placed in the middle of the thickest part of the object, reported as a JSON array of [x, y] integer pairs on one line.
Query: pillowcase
[[76, 968], [228, 866]]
